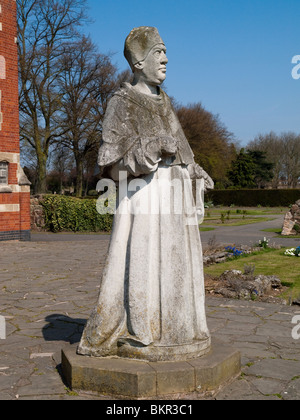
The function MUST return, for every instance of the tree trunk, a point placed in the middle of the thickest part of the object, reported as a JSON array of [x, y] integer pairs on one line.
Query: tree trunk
[[79, 180], [41, 184]]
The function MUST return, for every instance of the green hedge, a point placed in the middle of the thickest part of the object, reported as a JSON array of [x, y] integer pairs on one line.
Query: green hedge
[[73, 214], [253, 198]]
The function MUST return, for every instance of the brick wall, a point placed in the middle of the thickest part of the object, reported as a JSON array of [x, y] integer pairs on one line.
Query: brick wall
[[9, 140], [25, 211], [14, 198]]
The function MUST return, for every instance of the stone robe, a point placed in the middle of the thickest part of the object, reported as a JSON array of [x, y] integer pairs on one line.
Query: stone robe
[[152, 300]]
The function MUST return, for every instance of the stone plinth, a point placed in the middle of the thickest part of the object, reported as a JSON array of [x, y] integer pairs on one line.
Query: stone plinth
[[137, 379]]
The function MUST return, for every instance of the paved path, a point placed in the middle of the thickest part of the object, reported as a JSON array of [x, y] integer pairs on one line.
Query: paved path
[[46, 295], [250, 234]]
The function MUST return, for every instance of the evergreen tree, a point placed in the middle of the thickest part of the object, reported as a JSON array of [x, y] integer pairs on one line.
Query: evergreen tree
[[250, 169], [242, 171]]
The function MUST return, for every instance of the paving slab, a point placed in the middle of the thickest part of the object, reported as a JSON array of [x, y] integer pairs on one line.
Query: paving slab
[[48, 289]]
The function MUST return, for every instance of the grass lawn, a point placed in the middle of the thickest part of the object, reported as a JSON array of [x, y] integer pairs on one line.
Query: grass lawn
[[278, 231], [234, 221], [267, 262], [238, 216], [252, 211]]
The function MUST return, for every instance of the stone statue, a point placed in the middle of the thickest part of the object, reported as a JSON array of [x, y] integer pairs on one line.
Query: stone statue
[[152, 299]]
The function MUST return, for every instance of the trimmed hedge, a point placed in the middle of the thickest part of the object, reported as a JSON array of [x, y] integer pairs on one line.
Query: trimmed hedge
[[74, 214], [253, 198]]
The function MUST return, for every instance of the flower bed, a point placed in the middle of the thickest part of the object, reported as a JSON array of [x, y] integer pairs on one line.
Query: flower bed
[[233, 251], [293, 252]]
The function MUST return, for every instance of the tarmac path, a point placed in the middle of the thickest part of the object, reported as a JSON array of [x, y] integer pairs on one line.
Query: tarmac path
[[224, 235], [250, 234]]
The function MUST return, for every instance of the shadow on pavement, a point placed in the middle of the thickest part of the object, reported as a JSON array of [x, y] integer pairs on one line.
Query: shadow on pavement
[[63, 328]]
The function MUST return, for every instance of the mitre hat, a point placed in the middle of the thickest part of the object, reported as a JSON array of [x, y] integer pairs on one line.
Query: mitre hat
[[139, 43]]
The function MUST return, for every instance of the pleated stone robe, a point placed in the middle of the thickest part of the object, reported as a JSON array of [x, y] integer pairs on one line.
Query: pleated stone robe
[[151, 302]]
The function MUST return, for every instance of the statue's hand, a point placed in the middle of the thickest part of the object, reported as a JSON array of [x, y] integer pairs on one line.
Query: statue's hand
[[156, 148], [169, 146], [196, 172]]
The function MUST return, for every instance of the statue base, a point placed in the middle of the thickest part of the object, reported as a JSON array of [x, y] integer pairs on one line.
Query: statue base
[[156, 353], [138, 379]]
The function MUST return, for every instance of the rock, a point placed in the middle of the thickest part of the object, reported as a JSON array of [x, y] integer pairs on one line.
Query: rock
[[291, 224], [37, 216], [240, 286], [215, 258]]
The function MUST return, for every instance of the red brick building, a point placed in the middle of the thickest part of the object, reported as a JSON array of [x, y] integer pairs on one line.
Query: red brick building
[[14, 186]]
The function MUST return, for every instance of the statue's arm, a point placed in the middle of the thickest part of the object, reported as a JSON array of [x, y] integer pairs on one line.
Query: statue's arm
[[196, 172], [124, 148]]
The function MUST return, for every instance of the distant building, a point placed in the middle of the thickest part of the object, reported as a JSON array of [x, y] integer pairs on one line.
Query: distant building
[[14, 186]]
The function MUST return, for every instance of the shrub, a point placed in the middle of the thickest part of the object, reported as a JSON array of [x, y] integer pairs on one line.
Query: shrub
[[72, 214], [253, 198]]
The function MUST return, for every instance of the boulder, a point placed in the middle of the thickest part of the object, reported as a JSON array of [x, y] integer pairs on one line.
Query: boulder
[[237, 285], [291, 224]]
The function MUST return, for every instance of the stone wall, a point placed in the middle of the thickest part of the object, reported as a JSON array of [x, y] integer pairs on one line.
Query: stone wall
[[37, 218]]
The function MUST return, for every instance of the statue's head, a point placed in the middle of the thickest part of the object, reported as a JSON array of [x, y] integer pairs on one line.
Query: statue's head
[[145, 52]]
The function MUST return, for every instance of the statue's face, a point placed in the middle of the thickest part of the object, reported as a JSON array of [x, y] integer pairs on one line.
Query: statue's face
[[153, 68]]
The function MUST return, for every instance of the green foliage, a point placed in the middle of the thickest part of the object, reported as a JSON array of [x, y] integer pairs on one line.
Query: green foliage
[[253, 197], [242, 170], [212, 143], [250, 170], [263, 170], [267, 261], [264, 243], [72, 214]]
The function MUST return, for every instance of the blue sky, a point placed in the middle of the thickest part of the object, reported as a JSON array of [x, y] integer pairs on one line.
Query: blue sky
[[233, 56]]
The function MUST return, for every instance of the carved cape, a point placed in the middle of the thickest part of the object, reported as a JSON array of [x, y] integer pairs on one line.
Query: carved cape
[[134, 120]]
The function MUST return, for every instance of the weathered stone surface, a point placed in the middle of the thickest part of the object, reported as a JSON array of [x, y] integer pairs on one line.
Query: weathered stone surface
[[37, 217], [292, 392], [151, 303], [221, 365], [215, 258], [291, 224], [276, 369], [174, 377], [241, 286], [109, 376], [137, 379]]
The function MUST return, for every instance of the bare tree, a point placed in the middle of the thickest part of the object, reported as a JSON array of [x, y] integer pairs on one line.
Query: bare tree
[[272, 146], [284, 152], [87, 82], [291, 158], [62, 164], [45, 28]]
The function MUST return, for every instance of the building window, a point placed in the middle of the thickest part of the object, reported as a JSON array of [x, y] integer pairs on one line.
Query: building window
[[3, 173]]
